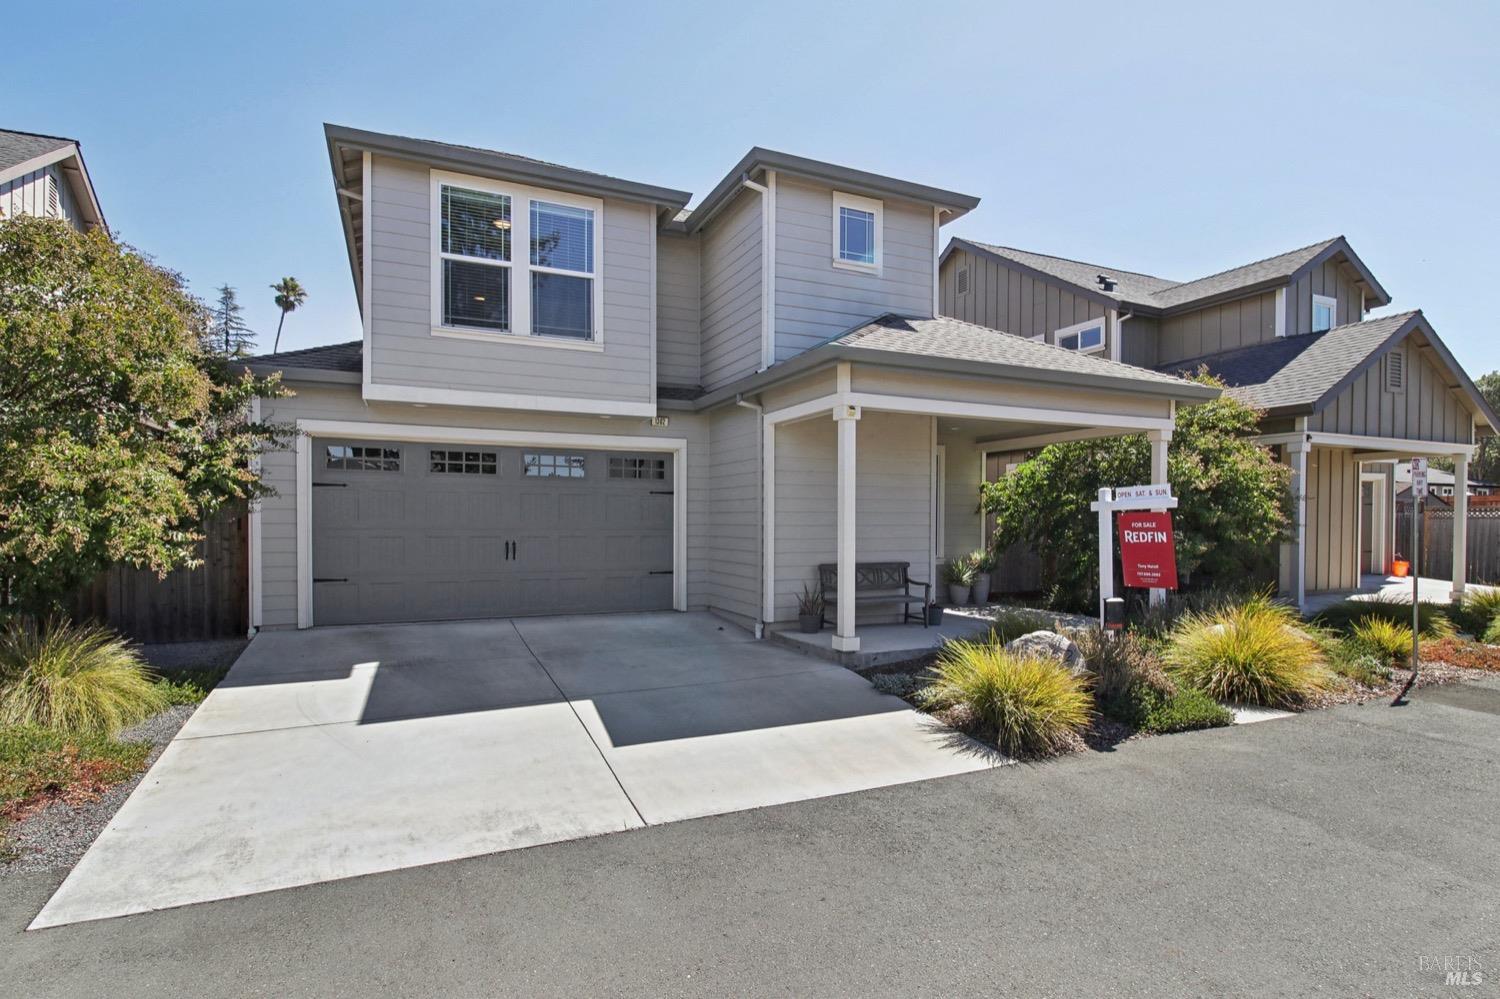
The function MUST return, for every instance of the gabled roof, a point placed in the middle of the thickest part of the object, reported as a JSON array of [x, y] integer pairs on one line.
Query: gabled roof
[[338, 362], [24, 152], [1144, 291], [1301, 374]]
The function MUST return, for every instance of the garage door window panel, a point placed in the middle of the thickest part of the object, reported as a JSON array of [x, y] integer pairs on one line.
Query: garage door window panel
[[551, 465], [361, 458], [446, 462]]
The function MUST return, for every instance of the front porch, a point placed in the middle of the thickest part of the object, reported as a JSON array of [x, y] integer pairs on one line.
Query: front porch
[[884, 643]]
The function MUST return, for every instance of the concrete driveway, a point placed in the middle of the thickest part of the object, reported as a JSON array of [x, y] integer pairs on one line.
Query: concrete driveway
[[338, 752]]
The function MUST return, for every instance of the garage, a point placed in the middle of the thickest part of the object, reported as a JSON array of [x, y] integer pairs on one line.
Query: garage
[[425, 532]]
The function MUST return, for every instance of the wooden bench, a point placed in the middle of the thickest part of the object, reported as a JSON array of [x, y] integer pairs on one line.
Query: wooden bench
[[875, 583]]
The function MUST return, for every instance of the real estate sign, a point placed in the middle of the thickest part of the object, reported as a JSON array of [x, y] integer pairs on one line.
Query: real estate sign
[[1148, 558]]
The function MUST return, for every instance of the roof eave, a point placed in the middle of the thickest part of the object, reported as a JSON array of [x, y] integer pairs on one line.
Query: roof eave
[[82, 184], [1092, 294], [292, 373], [480, 162], [1374, 298]]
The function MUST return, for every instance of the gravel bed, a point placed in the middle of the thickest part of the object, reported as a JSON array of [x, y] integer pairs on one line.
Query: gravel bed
[[55, 837], [170, 657]]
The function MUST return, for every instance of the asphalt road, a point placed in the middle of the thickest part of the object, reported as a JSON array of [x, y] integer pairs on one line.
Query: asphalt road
[[1338, 853]]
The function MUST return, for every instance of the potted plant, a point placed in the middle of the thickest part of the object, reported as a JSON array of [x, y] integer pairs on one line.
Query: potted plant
[[1400, 566], [958, 573], [934, 613], [984, 564], [809, 611]]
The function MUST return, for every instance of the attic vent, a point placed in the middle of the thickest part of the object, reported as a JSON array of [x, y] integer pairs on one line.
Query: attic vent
[[53, 210], [1106, 282], [961, 281], [1395, 371]]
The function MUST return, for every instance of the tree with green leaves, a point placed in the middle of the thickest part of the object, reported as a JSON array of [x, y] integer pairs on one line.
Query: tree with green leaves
[[119, 434], [1485, 465], [289, 297], [228, 334], [1234, 501]]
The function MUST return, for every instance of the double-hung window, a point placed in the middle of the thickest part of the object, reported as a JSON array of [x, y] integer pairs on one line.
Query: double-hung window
[[857, 225], [514, 261], [1086, 337]]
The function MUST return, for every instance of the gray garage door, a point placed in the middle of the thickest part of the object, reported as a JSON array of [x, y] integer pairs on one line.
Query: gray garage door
[[425, 532]]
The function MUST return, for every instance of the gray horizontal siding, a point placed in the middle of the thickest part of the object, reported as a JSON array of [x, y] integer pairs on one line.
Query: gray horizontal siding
[[731, 301], [1004, 298], [405, 351], [734, 576], [678, 315], [816, 300], [279, 511], [1427, 410]]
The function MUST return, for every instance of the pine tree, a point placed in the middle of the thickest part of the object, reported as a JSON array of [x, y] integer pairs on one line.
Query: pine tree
[[228, 333]]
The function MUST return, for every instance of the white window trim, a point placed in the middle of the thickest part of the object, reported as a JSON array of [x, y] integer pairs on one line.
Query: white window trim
[[1333, 310], [309, 430], [876, 208], [1103, 324], [519, 264]]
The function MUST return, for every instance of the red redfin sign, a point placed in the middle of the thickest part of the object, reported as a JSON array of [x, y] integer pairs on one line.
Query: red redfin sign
[[1147, 555]]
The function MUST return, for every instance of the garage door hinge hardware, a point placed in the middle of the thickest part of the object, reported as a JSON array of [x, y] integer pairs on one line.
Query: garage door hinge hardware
[[330, 485], [661, 572], [330, 579]]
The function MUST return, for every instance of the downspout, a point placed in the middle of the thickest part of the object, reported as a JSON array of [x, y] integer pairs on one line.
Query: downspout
[[760, 501], [1117, 342], [767, 192]]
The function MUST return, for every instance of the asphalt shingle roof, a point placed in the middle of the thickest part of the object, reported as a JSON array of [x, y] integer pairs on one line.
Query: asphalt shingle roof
[[957, 340], [1295, 371], [18, 147], [329, 357], [1161, 293]]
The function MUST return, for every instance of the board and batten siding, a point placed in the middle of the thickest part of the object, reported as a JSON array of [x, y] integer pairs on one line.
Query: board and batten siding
[[892, 495], [1139, 340], [1332, 554], [1008, 299], [678, 312], [41, 193], [407, 352], [1238, 323], [1426, 410], [1333, 278], [816, 300], [731, 298], [342, 402]]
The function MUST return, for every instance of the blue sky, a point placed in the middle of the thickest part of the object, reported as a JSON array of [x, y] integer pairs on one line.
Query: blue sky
[[1162, 137]]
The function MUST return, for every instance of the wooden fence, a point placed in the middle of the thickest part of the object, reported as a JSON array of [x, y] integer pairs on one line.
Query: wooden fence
[[211, 601], [1483, 541]]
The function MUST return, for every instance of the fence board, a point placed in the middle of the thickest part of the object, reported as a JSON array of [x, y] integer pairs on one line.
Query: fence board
[[1483, 543], [211, 601]]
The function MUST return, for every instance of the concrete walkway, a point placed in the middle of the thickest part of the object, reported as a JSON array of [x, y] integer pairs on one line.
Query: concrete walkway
[[338, 752]]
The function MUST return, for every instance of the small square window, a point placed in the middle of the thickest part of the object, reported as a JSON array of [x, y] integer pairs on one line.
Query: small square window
[[554, 466], [856, 231], [1325, 313]]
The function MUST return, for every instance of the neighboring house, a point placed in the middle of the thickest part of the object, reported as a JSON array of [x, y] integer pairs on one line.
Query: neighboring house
[[1439, 482], [1344, 396], [44, 175], [572, 394]]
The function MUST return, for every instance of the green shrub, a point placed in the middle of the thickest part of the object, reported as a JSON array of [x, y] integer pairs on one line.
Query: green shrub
[[1034, 706], [1477, 612], [1432, 618], [1007, 623], [1120, 664], [1156, 621], [72, 678], [1382, 637], [1255, 652], [1491, 634], [1354, 662], [189, 686], [34, 760], [1184, 710]]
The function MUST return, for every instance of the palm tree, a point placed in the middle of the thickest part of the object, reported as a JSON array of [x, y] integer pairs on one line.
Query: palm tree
[[289, 295]]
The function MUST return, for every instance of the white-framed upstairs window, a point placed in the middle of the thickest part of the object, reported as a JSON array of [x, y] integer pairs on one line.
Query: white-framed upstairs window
[[1325, 313], [857, 232], [1086, 337], [515, 262]]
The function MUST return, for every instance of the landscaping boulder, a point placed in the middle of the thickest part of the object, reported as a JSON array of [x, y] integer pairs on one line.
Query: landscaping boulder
[[1048, 645]]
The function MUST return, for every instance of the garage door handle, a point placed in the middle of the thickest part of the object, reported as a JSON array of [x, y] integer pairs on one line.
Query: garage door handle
[[330, 579], [661, 492], [661, 572], [330, 485]]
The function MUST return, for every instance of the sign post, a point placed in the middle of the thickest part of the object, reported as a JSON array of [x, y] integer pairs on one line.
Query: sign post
[[1152, 560], [1418, 495]]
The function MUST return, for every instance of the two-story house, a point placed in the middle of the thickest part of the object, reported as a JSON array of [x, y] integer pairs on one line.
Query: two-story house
[[44, 175], [572, 393], [1344, 396]]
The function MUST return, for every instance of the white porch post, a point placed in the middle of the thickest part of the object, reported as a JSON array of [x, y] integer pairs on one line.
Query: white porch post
[[1297, 450], [1159, 440], [1460, 523], [847, 418]]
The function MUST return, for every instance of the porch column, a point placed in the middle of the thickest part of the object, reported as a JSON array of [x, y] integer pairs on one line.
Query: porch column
[[844, 638], [1297, 453], [1460, 523], [1159, 440]]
